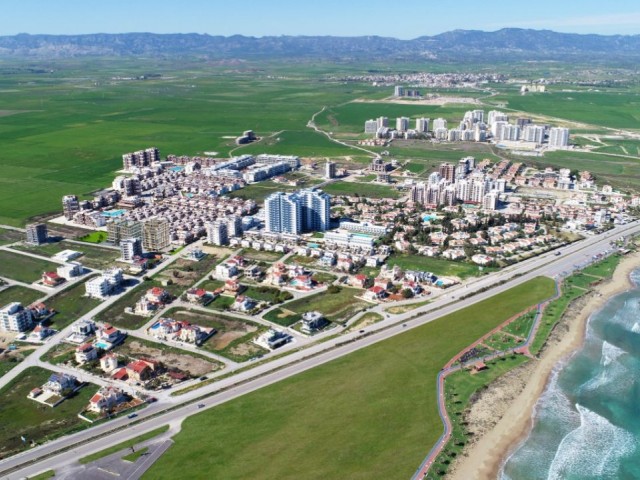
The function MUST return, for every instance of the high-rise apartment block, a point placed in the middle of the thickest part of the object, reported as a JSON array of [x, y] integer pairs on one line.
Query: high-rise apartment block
[[37, 233], [15, 318], [559, 137], [294, 213], [141, 158], [155, 235], [447, 171], [118, 230], [402, 124], [330, 170], [70, 206], [130, 248], [422, 125], [371, 126], [217, 232]]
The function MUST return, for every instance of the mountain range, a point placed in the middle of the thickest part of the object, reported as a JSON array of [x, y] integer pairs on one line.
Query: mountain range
[[506, 44]]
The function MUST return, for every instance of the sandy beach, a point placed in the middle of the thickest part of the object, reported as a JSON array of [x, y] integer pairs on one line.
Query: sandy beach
[[502, 416]]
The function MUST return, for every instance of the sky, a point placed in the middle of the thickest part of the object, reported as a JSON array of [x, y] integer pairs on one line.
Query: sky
[[403, 19]]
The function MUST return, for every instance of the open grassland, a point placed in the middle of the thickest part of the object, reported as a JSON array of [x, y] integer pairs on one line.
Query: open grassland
[[18, 293], [608, 109], [439, 266], [369, 190], [20, 416], [23, 268], [384, 393], [77, 121], [92, 257]]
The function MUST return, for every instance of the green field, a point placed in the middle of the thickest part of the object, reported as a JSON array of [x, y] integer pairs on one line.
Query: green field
[[71, 304], [124, 445], [438, 266], [369, 190], [37, 422], [385, 393], [23, 268], [615, 109], [92, 257], [10, 236], [337, 307], [76, 122], [18, 293]]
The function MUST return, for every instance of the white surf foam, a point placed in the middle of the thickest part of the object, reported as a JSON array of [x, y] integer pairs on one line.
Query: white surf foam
[[636, 328], [593, 450]]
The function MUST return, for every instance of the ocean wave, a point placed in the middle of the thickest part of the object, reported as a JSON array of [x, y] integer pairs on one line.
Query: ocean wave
[[612, 372], [593, 450], [636, 328]]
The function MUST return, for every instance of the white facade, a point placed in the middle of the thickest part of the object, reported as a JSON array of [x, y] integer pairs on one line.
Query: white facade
[[559, 137], [130, 248], [15, 318], [217, 232], [70, 270]]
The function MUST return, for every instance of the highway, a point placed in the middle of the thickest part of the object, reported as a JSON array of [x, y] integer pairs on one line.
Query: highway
[[83, 443]]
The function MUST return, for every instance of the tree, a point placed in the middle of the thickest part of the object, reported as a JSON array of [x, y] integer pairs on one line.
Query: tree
[[407, 293]]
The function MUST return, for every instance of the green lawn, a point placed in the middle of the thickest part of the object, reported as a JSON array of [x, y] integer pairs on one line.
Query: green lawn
[[7, 362], [10, 236], [121, 446], [71, 304], [337, 307], [17, 293], [44, 475], [369, 190], [94, 237], [439, 266], [23, 268], [21, 416], [92, 256], [384, 393]]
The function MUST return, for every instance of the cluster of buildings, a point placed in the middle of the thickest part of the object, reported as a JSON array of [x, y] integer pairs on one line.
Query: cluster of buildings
[[462, 183], [474, 127], [180, 331], [428, 79]]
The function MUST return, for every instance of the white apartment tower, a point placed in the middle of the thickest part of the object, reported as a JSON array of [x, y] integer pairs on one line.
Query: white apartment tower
[[559, 137], [217, 232]]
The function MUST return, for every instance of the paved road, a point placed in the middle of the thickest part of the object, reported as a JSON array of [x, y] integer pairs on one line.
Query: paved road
[[549, 264]]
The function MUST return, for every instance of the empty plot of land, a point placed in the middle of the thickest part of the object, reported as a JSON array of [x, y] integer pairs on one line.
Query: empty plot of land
[[233, 337], [22, 267], [17, 293], [92, 256]]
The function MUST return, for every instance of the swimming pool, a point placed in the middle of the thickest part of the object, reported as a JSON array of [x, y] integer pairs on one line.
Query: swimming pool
[[113, 213], [103, 345], [177, 168]]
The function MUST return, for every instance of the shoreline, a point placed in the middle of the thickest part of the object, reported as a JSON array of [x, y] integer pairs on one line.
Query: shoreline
[[484, 458]]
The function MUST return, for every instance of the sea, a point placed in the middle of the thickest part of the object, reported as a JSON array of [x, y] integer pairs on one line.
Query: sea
[[586, 424]]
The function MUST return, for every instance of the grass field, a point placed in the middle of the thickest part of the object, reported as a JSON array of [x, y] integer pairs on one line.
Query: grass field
[[615, 110], [369, 190], [438, 266], [384, 393], [121, 446], [23, 268], [92, 257], [17, 293], [20, 416], [337, 307], [10, 236], [11, 360], [70, 304], [77, 122]]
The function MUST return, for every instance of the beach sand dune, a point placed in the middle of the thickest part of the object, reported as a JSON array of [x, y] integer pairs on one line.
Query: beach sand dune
[[502, 415]]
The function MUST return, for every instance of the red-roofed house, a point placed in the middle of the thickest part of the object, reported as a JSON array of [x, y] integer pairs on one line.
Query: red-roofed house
[[157, 295], [375, 293], [359, 281], [51, 279], [86, 353], [120, 374], [106, 398]]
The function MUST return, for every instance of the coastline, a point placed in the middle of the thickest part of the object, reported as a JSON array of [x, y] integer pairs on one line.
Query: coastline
[[512, 423]]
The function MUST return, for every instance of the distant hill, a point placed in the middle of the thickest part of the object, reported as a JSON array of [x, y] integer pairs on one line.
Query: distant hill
[[505, 44]]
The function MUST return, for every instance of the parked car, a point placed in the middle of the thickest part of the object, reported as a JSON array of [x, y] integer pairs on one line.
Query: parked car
[[132, 415]]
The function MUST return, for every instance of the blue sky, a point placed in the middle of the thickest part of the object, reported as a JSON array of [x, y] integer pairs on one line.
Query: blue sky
[[402, 19]]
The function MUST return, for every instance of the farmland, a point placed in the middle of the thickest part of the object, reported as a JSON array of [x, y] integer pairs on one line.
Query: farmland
[[242, 438]]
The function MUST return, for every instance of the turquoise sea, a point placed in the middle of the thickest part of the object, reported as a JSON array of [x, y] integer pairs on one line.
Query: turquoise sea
[[587, 422]]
